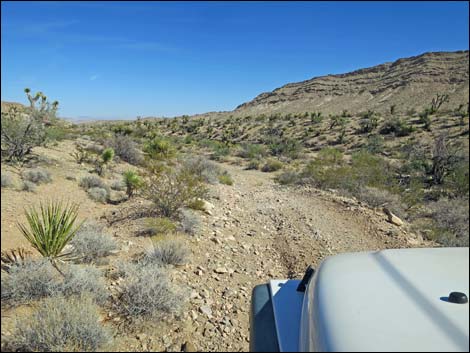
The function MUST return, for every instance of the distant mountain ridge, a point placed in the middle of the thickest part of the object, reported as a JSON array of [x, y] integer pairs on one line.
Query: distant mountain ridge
[[408, 82]]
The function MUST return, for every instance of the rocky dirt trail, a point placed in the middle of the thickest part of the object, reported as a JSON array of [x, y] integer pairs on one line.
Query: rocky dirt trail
[[257, 231]]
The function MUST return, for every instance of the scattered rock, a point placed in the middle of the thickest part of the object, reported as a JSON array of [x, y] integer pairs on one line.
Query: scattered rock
[[206, 310], [220, 270], [392, 218]]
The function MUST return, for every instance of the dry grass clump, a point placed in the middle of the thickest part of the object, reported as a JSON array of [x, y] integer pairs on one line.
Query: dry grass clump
[[37, 176]]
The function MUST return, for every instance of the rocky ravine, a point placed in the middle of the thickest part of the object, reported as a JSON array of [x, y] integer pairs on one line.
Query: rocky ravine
[[259, 231]]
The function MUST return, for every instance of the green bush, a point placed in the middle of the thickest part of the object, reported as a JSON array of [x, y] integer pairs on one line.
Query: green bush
[[225, 178], [169, 191], [159, 148], [397, 126], [159, 226], [252, 151], [272, 165]]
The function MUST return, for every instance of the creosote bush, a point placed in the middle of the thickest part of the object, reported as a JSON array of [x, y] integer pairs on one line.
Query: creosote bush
[[61, 325], [170, 190]]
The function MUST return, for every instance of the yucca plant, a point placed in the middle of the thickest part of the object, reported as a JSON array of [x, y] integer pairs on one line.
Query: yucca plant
[[51, 228], [106, 157], [132, 181]]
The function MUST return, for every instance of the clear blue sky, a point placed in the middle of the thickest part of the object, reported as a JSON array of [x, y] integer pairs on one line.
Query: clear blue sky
[[124, 59]]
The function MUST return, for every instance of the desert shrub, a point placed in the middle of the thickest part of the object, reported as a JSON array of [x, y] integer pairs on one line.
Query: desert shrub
[[397, 126], [283, 146], [7, 180], [91, 181], [197, 204], [458, 177], [167, 252], [219, 151], [374, 144], [272, 165], [98, 194], [51, 227], [105, 159], [252, 151], [37, 176], [254, 164], [146, 292], [190, 222], [92, 243], [365, 169], [452, 221], [201, 168], [60, 325], [225, 178], [375, 197], [28, 186], [288, 177], [118, 185], [23, 129], [132, 181], [80, 280], [28, 281], [159, 148], [170, 190], [126, 149], [159, 226], [369, 121], [445, 157], [35, 279]]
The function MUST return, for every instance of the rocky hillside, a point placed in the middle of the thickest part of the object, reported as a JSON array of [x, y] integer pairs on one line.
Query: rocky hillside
[[409, 82]]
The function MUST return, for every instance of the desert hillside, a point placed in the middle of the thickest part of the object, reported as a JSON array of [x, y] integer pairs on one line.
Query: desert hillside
[[184, 216], [406, 82]]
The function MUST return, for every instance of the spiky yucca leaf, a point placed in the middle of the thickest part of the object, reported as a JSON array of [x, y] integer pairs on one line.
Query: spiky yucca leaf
[[51, 227]]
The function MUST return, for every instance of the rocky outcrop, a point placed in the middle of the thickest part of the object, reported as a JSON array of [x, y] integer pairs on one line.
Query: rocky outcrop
[[407, 83]]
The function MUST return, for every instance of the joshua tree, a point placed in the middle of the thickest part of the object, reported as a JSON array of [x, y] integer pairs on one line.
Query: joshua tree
[[438, 101], [132, 181]]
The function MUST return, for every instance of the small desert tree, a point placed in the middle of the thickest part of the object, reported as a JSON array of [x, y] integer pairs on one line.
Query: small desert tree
[[132, 181], [437, 102], [444, 159], [105, 158], [24, 128]]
